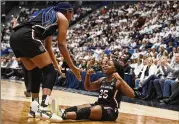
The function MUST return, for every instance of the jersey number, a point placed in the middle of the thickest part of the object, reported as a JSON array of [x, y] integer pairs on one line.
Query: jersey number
[[103, 94]]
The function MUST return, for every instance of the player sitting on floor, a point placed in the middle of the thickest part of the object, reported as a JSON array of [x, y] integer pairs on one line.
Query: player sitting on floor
[[111, 88]]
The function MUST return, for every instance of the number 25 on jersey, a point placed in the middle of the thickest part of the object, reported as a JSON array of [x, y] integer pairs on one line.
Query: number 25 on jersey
[[103, 94]]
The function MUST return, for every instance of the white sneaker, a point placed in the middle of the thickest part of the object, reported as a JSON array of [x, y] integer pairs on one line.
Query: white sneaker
[[37, 111], [57, 115], [48, 115], [34, 110], [55, 118], [55, 108], [31, 114], [45, 115], [51, 112]]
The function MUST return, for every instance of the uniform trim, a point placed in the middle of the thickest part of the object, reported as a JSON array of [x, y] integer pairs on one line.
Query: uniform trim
[[115, 94], [108, 108], [37, 40]]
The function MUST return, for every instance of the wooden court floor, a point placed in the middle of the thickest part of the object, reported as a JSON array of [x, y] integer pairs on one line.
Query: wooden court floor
[[15, 107]]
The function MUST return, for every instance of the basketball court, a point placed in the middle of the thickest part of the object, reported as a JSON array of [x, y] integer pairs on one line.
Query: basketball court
[[15, 107]]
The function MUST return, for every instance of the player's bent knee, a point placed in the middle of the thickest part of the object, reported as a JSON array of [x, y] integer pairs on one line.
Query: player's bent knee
[[109, 114], [49, 76], [83, 113], [29, 65], [96, 113]]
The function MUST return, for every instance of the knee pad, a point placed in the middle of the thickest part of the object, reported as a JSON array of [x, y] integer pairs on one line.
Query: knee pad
[[83, 113], [35, 79], [49, 76], [71, 109]]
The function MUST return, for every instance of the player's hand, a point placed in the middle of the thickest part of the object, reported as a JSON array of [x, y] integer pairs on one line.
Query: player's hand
[[76, 72], [59, 68], [63, 75], [90, 71], [116, 75]]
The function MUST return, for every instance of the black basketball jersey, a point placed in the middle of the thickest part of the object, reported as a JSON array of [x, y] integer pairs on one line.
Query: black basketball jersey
[[108, 94]]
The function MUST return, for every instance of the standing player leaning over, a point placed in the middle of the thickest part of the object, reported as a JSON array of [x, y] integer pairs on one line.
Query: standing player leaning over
[[27, 44], [111, 88]]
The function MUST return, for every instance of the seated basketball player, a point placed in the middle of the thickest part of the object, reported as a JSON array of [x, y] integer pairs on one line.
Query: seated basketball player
[[111, 88], [31, 41]]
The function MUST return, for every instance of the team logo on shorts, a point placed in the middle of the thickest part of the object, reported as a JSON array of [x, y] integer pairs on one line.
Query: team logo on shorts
[[41, 48]]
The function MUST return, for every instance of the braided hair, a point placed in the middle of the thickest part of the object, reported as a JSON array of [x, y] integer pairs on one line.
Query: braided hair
[[49, 14], [119, 68]]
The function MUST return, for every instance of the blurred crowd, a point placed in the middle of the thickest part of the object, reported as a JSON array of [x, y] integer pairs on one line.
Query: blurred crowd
[[144, 37]]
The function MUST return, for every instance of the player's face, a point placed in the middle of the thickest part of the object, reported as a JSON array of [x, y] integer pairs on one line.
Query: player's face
[[108, 68]]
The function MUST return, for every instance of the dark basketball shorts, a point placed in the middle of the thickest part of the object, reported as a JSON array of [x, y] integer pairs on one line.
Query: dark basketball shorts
[[23, 43], [108, 113]]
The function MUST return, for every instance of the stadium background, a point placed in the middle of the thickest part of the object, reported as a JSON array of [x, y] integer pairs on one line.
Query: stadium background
[[137, 33]]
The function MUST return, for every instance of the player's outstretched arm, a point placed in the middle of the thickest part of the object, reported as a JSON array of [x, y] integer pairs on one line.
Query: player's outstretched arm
[[62, 44], [48, 46]]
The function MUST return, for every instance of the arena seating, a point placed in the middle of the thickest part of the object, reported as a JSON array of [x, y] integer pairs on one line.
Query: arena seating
[[133, 32]]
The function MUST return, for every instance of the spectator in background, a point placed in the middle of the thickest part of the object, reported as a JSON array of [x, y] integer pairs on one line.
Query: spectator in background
[[161, 52], [14, 63], [97, 53], [162, 86], [138, 67], [148, 83], [83, 65], [173, 99], [171, 81], [91, 63], [150, 70], [4, 62]]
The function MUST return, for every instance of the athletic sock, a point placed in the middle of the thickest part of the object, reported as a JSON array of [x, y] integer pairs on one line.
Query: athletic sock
[[45, 100], [35, 99]]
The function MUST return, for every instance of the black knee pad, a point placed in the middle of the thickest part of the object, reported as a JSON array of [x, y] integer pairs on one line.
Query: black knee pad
[[71, 109], [83, 113], [35, 78], [49, 76]]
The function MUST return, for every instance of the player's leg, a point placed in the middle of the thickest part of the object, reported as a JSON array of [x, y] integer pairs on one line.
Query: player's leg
[[76, 108], [35, 76], [35, 50], [35, 79], [44, 62], [36, 59], [45, 66], [96, 112], [27, 82]]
